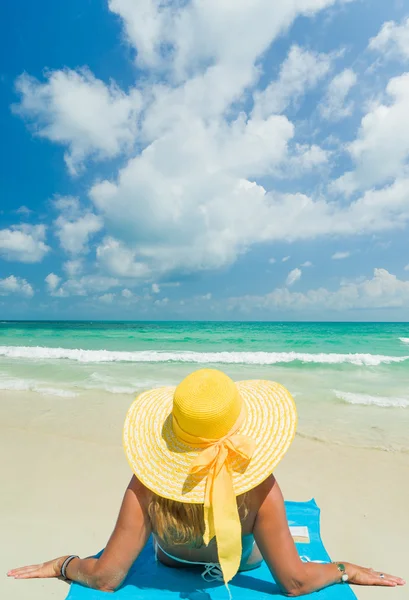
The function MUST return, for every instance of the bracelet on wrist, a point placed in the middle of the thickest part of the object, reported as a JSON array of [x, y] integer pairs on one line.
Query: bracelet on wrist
[[341, 569], [65, 565]]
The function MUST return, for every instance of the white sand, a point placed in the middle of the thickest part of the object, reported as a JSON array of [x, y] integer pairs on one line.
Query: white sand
[[64, 473]]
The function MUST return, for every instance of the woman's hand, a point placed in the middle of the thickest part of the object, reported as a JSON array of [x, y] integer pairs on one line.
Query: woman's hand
[[361, 576], [52, 568]]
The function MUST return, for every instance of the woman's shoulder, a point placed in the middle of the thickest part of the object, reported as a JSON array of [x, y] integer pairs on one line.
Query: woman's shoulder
[[256, 496]]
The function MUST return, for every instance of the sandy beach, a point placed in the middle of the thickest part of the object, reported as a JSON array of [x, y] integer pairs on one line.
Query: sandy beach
[[64, 473]]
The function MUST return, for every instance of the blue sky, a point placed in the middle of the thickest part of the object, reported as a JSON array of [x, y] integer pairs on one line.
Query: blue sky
[[204, 160]]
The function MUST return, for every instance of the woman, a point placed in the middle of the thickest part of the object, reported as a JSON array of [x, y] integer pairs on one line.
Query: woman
[[202, 456]]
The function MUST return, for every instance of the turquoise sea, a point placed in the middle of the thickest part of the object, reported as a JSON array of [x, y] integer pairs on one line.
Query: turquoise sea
[[350, 380]]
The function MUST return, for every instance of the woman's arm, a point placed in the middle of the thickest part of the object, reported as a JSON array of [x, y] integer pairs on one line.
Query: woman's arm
[[276, 544], [106, 573]]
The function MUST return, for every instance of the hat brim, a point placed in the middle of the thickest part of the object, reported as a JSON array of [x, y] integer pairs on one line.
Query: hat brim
[[162, 462]]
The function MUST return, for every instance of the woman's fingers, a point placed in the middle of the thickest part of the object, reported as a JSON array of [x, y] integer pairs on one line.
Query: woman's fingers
[[390, 578], [384, 579], [21, 569], [47, 569], [363, 576], [29, 570]]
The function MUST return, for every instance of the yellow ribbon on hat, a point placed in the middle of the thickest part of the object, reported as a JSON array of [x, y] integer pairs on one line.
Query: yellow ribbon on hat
[[221, 515]]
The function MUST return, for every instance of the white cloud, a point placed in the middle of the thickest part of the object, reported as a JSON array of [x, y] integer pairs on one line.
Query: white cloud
[[211, 47], [189, 199], [86, 285], [73, 267], [293, 276], [308, 263], [75, 227], [207, 296], [301, 71], [127, 293], [107, 298], [407, 268], [183, 218], [381, 149], [392, 40], [272, 261], [334, 106], [118, 260], [23, 243], [52, 280], [340, 255], [202, 33], [161, 302], [384, 290], [15, 285], [23, 210], [75, 109], [155, 288], [285, 259]]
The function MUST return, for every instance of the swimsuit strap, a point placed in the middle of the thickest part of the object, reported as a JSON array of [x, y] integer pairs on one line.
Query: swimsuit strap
[[212, 571]]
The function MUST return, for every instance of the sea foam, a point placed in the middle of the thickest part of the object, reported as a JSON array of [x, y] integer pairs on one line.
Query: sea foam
[[404, 340], [367, 400], [152, 356], [28, 385]]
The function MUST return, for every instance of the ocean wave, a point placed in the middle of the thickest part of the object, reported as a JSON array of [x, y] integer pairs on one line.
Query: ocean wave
[[367, 400], [153, 356], [404, 340], [117, 389], [99, 381], [27, 385]]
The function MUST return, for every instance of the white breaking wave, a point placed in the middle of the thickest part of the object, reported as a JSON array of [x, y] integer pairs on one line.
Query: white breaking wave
[[404, 340], [153, 356], [367, 400], [99, 381], [26, 385]]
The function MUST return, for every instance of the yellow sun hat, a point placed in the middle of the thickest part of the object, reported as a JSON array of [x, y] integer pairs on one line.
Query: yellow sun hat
[[207, 441]]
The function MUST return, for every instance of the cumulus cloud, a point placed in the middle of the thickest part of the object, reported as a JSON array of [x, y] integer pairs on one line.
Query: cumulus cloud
[[77, 110], [161, 302], [73, 267], [341, 255], [335, 107], [392, 40], [23, 243], [87, 285], [190, 198], [383, 290], [75, 226], [107, 298], [120, 260], [203, 33], [23, 210], [127, 293], [301, 71], [308, 263], [381, 149], [52, 280], [155, 288], [303, 159], [15, 285], [293, 276]]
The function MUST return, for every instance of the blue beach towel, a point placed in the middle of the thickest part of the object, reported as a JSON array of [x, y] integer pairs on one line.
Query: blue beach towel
[[150, 580]]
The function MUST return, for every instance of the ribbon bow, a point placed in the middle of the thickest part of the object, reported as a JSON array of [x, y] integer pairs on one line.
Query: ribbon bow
[[221, 515]]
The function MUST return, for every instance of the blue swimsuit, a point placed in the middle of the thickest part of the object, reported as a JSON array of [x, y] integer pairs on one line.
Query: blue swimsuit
[[212, 571]]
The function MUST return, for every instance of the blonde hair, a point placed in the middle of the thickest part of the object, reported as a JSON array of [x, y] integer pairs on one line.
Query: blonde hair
[[180, 523]]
